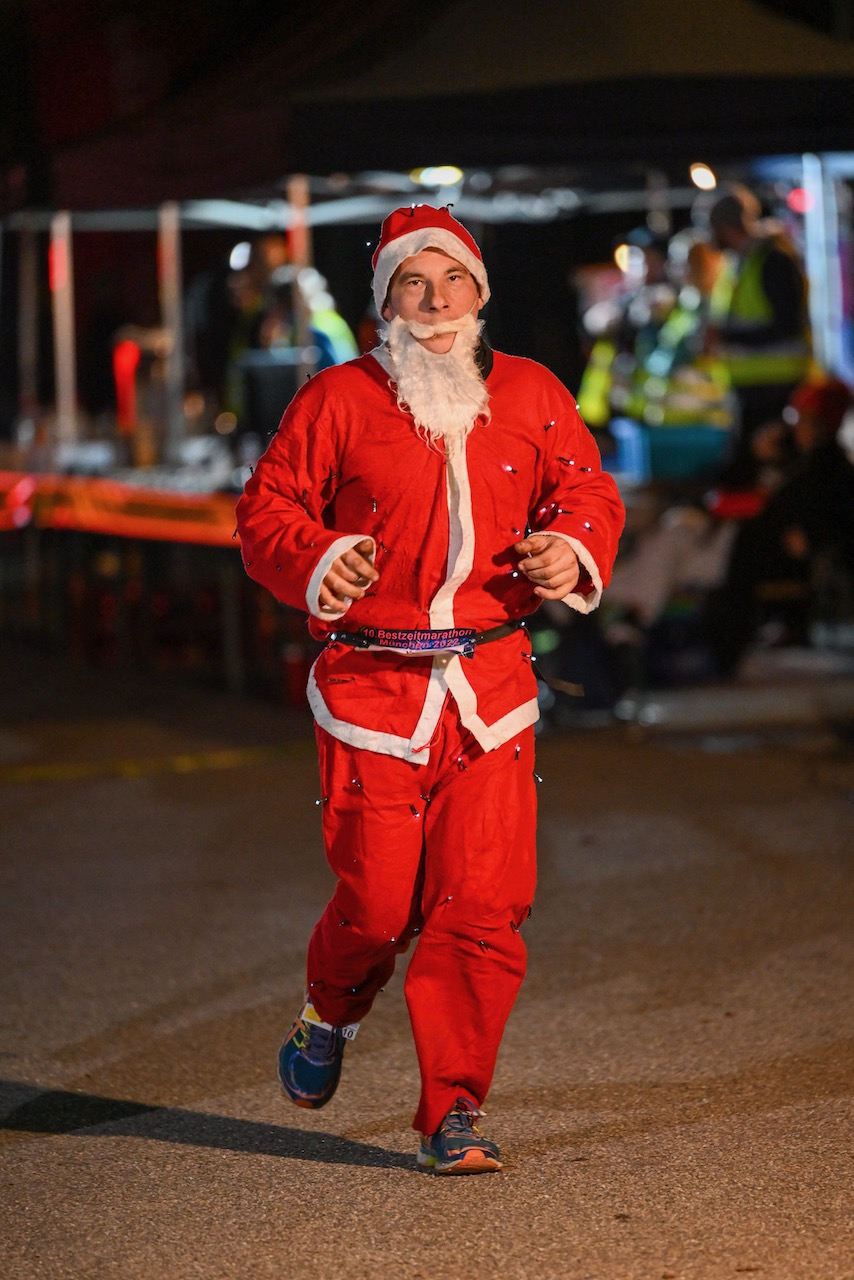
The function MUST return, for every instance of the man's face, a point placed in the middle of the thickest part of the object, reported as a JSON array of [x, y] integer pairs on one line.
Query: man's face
[[725, 236], [431, 288]]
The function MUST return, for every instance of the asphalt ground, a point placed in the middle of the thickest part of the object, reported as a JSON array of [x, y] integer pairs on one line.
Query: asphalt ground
[[673, 1095]]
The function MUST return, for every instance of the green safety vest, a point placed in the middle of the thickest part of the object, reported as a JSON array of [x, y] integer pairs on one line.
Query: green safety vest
[[594, 392], [337, 332], [675, 386]]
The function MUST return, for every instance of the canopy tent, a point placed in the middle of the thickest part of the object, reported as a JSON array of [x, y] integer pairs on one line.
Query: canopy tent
[[475, 82], [598, 92], [596, 81]]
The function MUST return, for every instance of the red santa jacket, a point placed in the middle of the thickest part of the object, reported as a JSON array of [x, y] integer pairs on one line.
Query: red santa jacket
[[347, 463]]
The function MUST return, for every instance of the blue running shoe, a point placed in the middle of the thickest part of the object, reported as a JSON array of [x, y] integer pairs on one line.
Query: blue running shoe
[[310, 1058], [458, 1146]]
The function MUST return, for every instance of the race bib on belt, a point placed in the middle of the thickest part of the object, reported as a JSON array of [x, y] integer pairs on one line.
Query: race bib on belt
[[450, 640]]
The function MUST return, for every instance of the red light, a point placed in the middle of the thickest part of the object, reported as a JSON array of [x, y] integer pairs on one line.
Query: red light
[[799, 200], [125, 361], [57, 266]]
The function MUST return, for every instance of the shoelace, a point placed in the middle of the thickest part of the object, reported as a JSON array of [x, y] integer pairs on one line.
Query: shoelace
[[320, 1044], [461, 1120]]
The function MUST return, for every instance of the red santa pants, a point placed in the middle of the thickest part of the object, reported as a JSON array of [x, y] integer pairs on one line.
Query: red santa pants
[[445, 851]]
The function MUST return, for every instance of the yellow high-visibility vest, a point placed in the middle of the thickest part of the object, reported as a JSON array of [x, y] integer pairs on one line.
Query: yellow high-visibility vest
[[594, 392], [738, 295]]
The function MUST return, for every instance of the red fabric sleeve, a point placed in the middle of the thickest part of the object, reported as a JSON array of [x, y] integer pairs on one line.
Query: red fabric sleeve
[[279, 516]]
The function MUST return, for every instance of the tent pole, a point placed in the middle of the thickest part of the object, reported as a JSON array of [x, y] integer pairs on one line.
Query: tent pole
[[299, 235], [64, 350], [169, 272], [821, 241]]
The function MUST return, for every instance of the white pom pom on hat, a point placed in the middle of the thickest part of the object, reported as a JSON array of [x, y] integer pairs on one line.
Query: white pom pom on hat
[[411, 229]]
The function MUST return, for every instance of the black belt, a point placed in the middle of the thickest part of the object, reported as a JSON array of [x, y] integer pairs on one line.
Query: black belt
[[462, 640]]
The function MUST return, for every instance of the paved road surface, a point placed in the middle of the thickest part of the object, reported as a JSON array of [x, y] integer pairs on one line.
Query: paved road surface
[[674, 1091]]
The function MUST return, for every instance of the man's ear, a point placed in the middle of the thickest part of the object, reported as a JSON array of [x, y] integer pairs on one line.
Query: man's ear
[[387, 313]]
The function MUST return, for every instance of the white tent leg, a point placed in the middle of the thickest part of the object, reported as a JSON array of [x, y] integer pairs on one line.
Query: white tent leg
[[171, 310], [64, 349]]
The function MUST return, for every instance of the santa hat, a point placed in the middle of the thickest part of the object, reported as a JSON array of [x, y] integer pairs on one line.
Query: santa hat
[[419, 226]]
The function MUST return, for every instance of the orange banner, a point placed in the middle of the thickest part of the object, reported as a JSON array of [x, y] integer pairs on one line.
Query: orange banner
[[107, 506]]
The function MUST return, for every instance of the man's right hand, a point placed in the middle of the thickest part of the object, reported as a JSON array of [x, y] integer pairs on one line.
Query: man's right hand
[[348, 578]]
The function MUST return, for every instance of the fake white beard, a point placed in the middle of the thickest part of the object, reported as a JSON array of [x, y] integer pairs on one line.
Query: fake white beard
[[444, 393]]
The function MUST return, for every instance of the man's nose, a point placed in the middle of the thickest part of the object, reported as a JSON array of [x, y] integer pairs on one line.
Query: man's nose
[[435, 298]]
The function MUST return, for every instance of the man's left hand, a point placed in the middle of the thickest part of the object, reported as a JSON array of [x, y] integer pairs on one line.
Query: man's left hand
[[550, 563]]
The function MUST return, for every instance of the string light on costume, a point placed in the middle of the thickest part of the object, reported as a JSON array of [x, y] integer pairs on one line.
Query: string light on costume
[[547, 426], [505, 466]]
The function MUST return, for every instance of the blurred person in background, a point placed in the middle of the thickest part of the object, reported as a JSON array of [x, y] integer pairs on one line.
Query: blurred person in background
[[223, 310], [299, 299], [676, 556], [418, 503], [274, 305], [677, 384], [624, 329], [758, 324], [804, 532]]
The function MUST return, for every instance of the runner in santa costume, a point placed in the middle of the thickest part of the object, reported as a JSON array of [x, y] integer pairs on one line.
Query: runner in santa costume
[[419, 502]]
